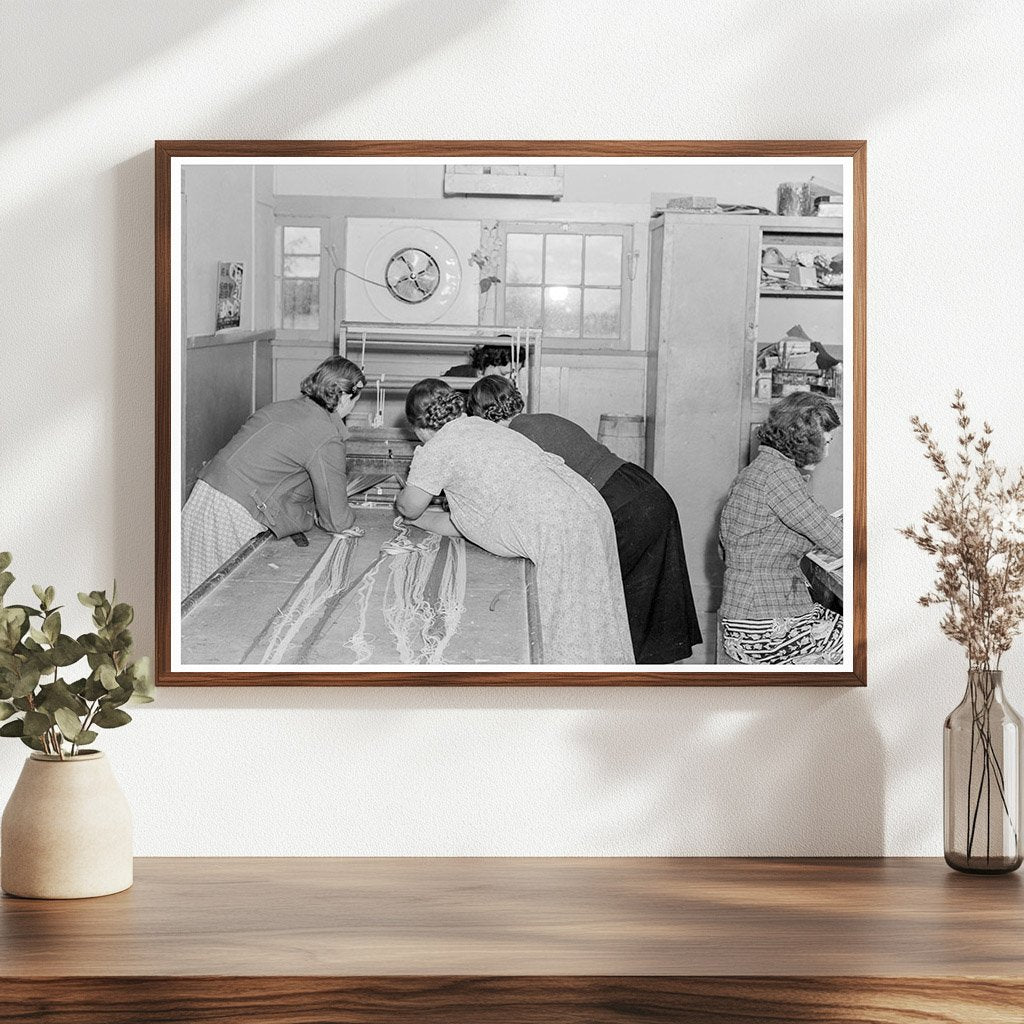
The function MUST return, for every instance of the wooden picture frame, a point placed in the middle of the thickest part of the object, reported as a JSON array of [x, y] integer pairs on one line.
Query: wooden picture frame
[[174, 342]]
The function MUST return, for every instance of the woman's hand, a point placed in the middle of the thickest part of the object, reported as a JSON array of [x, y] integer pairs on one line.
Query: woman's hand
[[412, 501], [436, 521]]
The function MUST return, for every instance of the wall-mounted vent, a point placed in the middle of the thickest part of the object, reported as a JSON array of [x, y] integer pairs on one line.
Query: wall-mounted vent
[[528, 181]]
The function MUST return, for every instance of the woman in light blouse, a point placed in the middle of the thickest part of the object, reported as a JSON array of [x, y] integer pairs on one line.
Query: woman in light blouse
[[513, 499]]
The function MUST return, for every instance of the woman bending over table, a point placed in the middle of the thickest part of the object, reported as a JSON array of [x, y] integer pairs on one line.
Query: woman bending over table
[[513, 499], [663, 622], [769, 522], [283, 471]]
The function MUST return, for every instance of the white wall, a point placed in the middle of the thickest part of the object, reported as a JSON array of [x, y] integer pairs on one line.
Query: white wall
[[85, 90]]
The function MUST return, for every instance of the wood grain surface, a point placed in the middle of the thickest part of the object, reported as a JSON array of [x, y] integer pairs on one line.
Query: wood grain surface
[[167, 150], [523, 939]]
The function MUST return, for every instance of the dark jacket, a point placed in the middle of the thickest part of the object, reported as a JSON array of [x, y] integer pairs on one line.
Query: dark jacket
[[582, 454], [286, 466]]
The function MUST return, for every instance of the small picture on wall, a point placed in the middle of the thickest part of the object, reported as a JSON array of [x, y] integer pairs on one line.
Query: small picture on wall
[[229, 295]]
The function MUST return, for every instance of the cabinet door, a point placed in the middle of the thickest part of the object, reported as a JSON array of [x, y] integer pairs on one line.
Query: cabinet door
[[705, 315]]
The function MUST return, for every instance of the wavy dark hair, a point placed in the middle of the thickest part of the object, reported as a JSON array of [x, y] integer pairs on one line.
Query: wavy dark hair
[[796, 427], [485, 356], [431, 404], [333, 378], [494, 398]]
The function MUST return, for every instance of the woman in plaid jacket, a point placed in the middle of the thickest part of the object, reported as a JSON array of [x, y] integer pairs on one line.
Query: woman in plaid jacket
[[769, 522]]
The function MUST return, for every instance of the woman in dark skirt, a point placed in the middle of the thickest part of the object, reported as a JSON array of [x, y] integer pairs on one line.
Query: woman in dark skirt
[[663, 621]]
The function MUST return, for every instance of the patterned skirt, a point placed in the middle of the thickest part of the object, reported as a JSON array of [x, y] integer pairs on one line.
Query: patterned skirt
[[213, 528], [815, 638]]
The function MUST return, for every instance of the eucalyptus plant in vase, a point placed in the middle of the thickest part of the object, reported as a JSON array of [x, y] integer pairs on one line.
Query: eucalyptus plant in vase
[[975, 530], [66, 831]]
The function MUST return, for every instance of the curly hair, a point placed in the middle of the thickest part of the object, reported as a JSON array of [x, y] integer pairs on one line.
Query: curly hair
[[332, 379], [485, 356], [431, 404], [494, 398], [796, 427]]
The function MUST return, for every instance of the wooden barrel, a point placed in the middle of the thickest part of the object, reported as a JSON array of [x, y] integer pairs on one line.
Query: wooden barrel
[[623, 435]]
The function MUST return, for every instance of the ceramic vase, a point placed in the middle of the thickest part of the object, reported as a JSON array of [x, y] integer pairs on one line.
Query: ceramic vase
[[66, 831]]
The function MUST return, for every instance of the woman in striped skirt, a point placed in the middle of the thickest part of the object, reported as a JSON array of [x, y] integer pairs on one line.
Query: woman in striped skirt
[[769, 522]]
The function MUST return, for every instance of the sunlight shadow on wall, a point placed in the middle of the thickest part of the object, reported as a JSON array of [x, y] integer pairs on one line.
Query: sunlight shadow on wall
[[111, 32]]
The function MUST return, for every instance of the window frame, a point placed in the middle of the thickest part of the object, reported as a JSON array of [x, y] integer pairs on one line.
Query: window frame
[[585, 228], [323, 330]]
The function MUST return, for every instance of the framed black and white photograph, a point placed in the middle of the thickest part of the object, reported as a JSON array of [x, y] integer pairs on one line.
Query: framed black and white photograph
[[491, 413]]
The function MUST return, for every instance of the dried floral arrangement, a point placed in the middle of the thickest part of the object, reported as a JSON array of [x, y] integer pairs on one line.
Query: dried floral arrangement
[[975, 528]]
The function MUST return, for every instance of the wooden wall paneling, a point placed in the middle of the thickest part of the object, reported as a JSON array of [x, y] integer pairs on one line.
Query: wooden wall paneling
[[219, 390]]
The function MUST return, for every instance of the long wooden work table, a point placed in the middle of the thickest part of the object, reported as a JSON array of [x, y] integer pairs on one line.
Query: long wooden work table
[[501, 941]]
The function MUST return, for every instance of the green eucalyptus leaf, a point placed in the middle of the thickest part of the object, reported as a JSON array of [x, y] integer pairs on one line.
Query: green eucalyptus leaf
[[5, 560], [100, 648], [107, 676], [38, 635], [69, 724], [67, 651], [28, 610], [122, 616], [89, 600], [22, 703], [94, 689], [6, 579], [14, 728], [13, 625], [111, 718], [27, 681], [115, 698], [51, 626], [31, 741], [9, 663], [86, 736], [6, 710], [40, 593], [142, 679], [59, 695], [50, 596], [36, 723]]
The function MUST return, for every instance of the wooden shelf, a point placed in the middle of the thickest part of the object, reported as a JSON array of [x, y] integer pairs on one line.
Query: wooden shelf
[[489, 940], [793, 293]]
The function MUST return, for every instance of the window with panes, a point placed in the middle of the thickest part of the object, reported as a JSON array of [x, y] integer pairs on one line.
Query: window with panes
[[571, 280], [298, 276]]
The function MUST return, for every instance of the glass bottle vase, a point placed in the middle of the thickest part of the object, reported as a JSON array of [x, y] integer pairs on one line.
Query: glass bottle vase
[[981, 773]]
